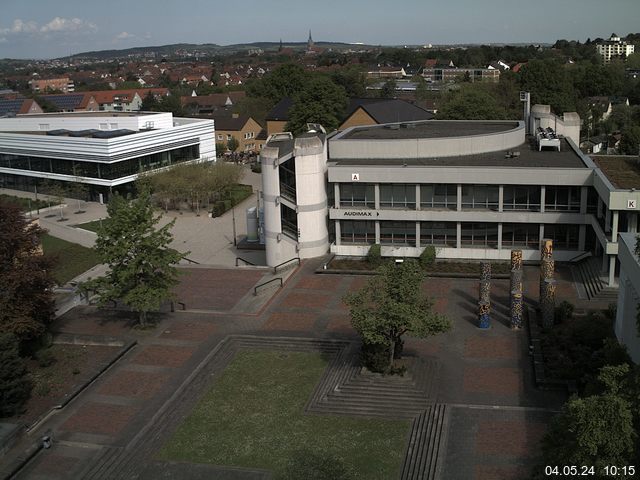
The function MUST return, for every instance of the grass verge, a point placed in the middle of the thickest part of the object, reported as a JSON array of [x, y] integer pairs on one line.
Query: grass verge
[[26, 204], [253, 417], [91, 226], [71, 259]]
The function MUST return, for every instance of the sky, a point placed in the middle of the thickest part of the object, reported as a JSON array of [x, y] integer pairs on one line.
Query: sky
[[49, 29]]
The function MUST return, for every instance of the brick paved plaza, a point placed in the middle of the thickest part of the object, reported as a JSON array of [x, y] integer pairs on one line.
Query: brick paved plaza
[[493, 420]]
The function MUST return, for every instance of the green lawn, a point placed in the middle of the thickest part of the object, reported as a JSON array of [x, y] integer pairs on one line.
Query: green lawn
[[91, 226], [26, 204], [72, 259], [253, 417]]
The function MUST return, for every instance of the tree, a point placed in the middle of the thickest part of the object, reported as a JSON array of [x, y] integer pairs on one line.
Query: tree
[[141, 265], [320, 101], [26, 302], [284, 81], [149, 103], [15, 386], [471, 102], [392, 304], [549, 84], [630, 142], [388, 89], [233, 144], [596, 430]]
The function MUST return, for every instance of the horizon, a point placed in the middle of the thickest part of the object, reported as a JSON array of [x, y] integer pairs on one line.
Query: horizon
[[33, 30]]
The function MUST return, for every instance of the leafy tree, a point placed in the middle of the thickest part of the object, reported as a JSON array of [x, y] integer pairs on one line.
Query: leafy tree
[[549, 84], [149, 103], [320, 101], [26, 302], [285, 81], [630, 142], [15, 386], [233, 144], [388, 89], [352, 79], [471, 102], [254, 107], [596, 430], [391, 304], [141, 264]]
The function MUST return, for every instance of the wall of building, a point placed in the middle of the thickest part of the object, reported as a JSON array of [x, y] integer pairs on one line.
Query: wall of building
[[276, 126], [84, 121], [626, 328], [567, 126], [359, 117]]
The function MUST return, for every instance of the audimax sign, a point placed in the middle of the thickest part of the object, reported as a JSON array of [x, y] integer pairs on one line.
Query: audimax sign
[[359, 213]]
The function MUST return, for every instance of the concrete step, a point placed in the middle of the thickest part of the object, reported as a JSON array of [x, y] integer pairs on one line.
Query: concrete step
[[424, 444]]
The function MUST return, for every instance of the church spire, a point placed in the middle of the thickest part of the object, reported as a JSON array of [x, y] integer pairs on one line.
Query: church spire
[[309, 41]]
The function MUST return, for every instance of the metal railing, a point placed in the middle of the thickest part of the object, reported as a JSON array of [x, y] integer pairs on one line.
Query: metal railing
[[191, 261], [247, 262], [278, 279], [275, 269], [580, 257]]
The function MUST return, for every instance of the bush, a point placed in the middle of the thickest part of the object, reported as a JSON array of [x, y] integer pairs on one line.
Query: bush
[[15, 386], [611, 311], [42, 389], [45, 358], [563, 312], [374, 255], [428, 256], [375, 356]]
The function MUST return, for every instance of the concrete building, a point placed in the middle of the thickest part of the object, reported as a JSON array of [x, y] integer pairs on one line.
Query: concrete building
[[452, 74], [614, 48], [63, 84], [626, 327], [473, 189], [106, 151]]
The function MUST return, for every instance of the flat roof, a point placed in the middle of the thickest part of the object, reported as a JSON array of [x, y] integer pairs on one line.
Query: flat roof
[[428, 129], [529, 157], [87, 114], [622, 171]]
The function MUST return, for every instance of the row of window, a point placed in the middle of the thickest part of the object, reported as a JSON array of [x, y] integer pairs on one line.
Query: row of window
[[107, 171], [246, 136], [444, 234], [483, 197]]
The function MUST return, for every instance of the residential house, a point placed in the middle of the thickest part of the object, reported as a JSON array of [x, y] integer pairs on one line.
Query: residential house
[[10, 107], [73, 102], [64, 84], [375, 111], [208, 104], [241, 127], [614, 48]]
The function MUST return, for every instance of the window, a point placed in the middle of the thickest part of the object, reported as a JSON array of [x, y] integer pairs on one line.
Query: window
[[562, 199], [113, 126], [480, 235], [398, 233], [520, 235], [220, 137], [438, 233], [357, 195], [483, 197], [103, 126], [439, 196], [398, 195], [43, 126], [521, 197], [565, 237], [357, 232], [289, 220], [228, 137]]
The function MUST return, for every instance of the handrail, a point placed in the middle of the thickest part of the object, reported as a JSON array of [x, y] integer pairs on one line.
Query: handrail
[[275, 269], [255, 289], [245, 261], [190, 261], [580, 256]]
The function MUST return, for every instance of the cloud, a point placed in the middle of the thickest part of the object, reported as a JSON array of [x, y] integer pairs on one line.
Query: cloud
[[60, 24], [3, 40], [124, 36], [20, 27]]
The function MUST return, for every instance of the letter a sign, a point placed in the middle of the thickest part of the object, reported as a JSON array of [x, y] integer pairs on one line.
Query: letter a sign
[[355, 177]]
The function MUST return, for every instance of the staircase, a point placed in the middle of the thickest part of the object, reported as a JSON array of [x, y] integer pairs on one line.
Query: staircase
[[587, 272]]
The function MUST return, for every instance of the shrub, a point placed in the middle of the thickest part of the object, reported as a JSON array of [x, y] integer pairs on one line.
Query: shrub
[[15, 386], [42, 389], [45, 358], [611, 311], [256, 168], [564, 312], [428, 256], [374, 255], [375, 356]]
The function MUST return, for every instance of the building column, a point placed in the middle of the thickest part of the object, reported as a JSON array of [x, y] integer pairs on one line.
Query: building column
[[458, 235], [376, 195], [584, 195], [378, 232], [417, 234], [500, 234], [612, 270], [500, 203], [541, 231], [543, 195], [459, 198], [614, 226], [582, 237], [338, 232], [336, 194], [418, 197]]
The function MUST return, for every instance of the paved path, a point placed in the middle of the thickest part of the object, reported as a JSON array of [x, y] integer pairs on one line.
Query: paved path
[[489, 415]]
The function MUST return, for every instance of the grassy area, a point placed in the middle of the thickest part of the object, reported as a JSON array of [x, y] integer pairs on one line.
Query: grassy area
[[253, 417], [26, 204], [438, 267], [72, 259], [91, 226]]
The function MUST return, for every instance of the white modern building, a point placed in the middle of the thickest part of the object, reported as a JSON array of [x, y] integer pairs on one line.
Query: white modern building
[[614, 48], [627, 327], [473, 189], [106, 151]]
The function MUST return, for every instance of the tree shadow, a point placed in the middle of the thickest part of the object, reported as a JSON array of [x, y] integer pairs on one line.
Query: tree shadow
[[311, 465]]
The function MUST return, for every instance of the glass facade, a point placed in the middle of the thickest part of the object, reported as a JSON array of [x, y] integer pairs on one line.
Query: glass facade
[[521, 235], [439, 196], [357, 195], [398, 195], [357, 233], [287, 171], [480, 235], [398, 233], [483, 197], [565, 237], [521, 197], [442, 234], [105, 171], [289, 219], [562, 199]]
